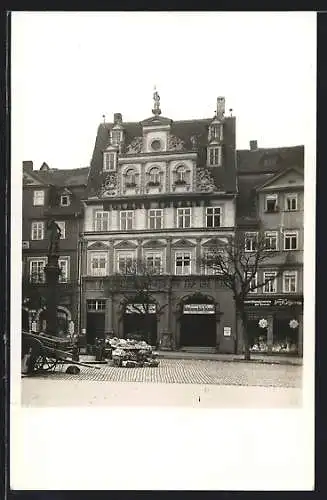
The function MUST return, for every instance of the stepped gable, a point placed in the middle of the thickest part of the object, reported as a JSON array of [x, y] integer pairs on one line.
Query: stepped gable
[[224, 177]]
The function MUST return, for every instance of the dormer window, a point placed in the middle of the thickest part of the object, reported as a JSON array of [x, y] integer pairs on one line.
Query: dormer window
[[130, 178], [109, 161], [65, 200], [214, 156], [216, 132], [116, 136]]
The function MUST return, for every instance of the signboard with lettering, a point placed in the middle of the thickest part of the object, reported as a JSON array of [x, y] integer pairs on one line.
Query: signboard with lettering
[[199, 309], [140, 309], [227, 331], [281, 302]]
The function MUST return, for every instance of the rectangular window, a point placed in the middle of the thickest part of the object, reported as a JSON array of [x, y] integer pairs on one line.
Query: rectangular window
[[290, 240], [290, 281], [126, 264], [271, 242], [63, 266], [253, 283], [98, 264], [213, 216], [65, 200], [183, 217], [182, 263], [207, 268], [62, 226], [154, 263], [251, 242], [115, 137], [215, 156], [271, 203], [37, 274], [37, 230], [155, 219], [96, 305], [38, 198], [126, 220], [291, 202], [270, 282], [101, 221], [109, 161]]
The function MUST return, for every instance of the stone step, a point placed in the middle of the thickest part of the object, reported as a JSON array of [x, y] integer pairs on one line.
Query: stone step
[[206, 350]]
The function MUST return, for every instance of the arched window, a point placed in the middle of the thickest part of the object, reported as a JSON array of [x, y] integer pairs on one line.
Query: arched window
[[130, 178], [181, 175], [154, 175]]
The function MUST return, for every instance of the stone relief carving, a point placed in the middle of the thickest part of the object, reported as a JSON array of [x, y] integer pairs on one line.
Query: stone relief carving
[[205, 182], [135, 146], [109, 187], [175, 143]]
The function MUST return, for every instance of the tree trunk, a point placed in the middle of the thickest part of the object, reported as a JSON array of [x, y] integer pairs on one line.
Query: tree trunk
[[244, 318]]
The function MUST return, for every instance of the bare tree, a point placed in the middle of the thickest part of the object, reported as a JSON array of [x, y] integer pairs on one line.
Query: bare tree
[[138, 284], [236, 263]]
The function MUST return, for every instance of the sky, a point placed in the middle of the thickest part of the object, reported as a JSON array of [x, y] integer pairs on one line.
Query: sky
[[69, 69]]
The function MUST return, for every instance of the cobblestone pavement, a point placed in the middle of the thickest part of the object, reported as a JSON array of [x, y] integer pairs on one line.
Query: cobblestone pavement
[[192, 372]]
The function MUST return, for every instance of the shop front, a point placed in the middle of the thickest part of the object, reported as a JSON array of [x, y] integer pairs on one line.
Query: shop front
[[140, 322], [198, 325], [275, 325]]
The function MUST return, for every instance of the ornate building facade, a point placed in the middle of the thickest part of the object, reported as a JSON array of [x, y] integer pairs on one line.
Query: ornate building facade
[[161, 192]]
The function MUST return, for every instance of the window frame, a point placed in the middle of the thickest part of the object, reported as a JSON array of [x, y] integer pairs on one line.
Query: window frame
[[270, 197], [42, 230], [155, 256], [214, 153], [271, 234], [62, 225], [109, 161], [183, 254], [62, 196], [247, 237], [96, 302], [274, 281], [67, 262], [36, 201], [32, 260], [101, 220], [288, 197], [207, 270], [255, 278], [183, 216], [155, 218], [100, 255], [125, 256], [213, 215], [128, 219], [154, 176], [292, 233], [295, 275]]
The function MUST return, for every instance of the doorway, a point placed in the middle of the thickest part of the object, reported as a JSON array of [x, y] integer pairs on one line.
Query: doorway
[[95, 323], [198, 330], [141, 327]]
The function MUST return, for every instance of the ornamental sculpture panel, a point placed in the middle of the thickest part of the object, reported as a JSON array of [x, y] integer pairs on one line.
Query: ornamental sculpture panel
[[136, 146], [175, 143], [204, 181], [109, 187]]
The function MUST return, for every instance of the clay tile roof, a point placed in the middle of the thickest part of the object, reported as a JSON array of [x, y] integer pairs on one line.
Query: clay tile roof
[[62, 177]]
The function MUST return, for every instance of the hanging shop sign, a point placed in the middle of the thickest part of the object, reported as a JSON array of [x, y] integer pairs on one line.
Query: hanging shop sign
[[293, 323], [227, 331], [140, 309], [199, 309], [273, 302], [263, 323]]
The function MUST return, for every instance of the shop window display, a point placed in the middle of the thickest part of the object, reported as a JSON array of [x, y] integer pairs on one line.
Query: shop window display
[[285, 335]]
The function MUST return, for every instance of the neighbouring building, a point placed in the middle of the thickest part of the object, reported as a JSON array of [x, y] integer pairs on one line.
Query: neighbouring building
[[162, 192], [51, 194], [271, 200]]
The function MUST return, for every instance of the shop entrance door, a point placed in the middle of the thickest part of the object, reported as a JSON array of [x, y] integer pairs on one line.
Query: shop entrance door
[[139, 326], [94, 327], [198, 330]]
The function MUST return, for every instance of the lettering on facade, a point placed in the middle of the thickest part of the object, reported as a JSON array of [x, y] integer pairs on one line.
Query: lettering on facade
[[273, 302], [199, 309]]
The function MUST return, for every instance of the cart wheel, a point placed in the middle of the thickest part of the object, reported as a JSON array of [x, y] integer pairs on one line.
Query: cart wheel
[[43, 363]]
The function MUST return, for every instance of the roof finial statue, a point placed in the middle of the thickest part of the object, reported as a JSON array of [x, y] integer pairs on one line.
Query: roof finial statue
[[156, 98]]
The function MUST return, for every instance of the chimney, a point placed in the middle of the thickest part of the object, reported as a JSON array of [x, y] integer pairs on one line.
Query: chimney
[[253, 145], [27, 166], [118, 118], [220, 107]]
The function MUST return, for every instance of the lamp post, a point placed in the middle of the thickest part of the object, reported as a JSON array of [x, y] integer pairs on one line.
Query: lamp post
[[52, 272]]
